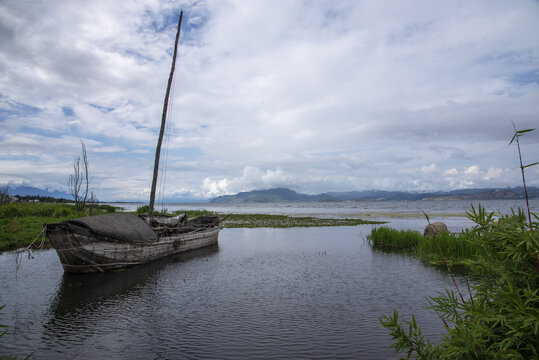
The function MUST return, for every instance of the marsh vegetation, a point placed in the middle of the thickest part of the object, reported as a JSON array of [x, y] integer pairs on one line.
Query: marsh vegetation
[[21, 223], [498, 318]]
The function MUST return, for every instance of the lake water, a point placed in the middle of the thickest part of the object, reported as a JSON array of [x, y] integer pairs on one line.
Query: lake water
[[264, 293], [399, 214]]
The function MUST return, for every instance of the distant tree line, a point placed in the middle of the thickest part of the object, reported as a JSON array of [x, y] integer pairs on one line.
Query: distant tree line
[[50, 199], [5, 198]]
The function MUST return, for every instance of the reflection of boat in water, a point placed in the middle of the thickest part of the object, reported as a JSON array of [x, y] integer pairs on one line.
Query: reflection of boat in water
[[116, 241], [81, 293]]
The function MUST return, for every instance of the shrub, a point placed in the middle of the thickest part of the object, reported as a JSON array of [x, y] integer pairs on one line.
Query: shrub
[[500, 319], [142, 209]]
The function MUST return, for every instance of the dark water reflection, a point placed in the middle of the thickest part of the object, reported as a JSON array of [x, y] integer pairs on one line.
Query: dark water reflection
[[263, 293]]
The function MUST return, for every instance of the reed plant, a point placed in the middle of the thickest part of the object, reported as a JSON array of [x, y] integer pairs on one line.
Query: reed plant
[[499, 318], [460, 248], [386, 237], [193, 213]]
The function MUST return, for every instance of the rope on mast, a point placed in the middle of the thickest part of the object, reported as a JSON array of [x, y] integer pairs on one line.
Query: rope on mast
[[164, 162], [163, 123]]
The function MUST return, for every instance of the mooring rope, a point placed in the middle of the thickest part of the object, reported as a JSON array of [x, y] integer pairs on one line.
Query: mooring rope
[[26, 250]]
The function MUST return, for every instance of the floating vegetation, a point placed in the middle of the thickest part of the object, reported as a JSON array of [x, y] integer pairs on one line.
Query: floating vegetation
[[403, 214], [284, 221]]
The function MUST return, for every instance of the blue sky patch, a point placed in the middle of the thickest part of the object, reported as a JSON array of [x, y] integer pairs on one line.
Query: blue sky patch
[[526, 77], [104, 109], [167, 20], [68, 111], [16, 108]]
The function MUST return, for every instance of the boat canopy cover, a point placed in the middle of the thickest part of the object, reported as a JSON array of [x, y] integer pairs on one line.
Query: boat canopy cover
[[122, 227]]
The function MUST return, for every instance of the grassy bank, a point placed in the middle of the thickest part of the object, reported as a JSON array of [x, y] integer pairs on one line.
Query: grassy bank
[[21, 223]]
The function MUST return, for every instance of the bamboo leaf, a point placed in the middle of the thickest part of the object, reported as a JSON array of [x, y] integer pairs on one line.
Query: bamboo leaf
[[525, 166], [426, 216], [513, 138], [524, 131]]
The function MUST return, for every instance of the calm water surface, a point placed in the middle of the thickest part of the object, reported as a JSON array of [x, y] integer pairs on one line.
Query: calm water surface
[[261, 294], [399, 214]]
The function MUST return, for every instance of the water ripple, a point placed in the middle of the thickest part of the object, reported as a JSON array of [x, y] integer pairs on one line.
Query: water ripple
[[263, 293]]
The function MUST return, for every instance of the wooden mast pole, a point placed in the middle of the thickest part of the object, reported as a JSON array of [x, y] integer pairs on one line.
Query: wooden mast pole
[[163, 121]]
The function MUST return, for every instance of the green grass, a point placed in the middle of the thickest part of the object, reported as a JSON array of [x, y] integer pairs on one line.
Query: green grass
[[386, 237], [463, 248], [193, 213], [21, 223], [497, 318]]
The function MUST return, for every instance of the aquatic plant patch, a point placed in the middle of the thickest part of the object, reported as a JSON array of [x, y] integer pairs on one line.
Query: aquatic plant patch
[[386, 237], [462, 248], [284, 221], [498, 318]]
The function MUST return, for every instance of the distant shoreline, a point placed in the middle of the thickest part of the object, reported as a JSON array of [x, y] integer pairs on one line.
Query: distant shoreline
[[288, 195]]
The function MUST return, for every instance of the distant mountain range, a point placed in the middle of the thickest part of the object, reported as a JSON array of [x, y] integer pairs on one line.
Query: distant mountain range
[[287, 195], [32, 191]]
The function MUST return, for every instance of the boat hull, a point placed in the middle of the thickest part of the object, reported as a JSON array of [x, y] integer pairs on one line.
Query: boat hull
[[83, 253]]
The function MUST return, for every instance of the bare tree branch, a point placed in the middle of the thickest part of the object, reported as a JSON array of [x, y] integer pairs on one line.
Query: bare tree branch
[[81, 174]]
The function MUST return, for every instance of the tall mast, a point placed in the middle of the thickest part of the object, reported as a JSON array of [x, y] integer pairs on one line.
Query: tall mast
[[163, 121]]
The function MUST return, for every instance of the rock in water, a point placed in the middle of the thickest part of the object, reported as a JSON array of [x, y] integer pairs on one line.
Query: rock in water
[[436, 228]]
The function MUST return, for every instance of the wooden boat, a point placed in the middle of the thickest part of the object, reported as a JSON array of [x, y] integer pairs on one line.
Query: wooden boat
[[117, 241]]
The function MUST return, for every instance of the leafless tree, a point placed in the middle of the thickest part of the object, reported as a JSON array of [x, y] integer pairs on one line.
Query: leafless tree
[[79, 181]]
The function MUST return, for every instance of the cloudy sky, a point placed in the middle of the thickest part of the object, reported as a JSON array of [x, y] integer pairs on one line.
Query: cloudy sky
[[312, 95]]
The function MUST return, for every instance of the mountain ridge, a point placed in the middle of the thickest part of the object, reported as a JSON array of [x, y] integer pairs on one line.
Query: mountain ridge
[[23, 190], [288, 195]]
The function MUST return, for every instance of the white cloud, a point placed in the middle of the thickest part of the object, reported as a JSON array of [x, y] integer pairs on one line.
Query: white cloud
[[251, 179], [344, 95], [493, 173], [472, 170], [429, 169]]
